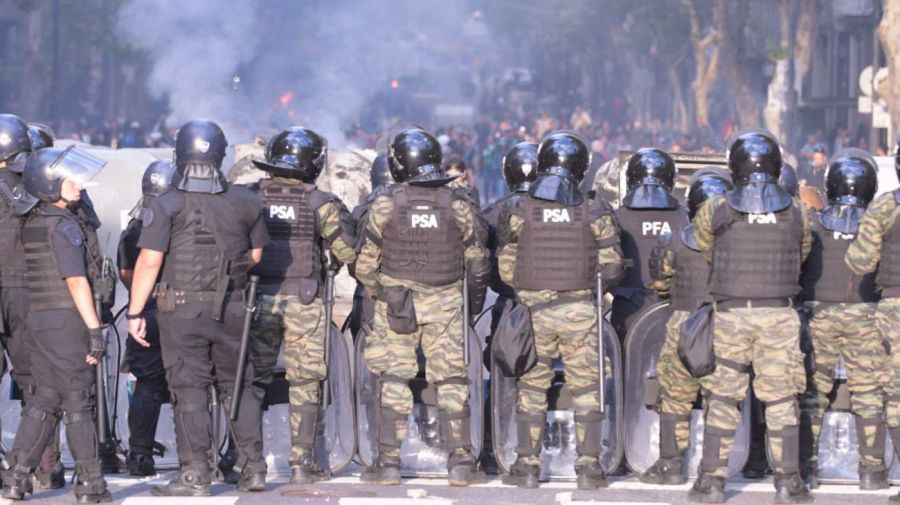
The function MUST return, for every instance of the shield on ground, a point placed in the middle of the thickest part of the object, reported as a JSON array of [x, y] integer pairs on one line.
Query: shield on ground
[[838, 445], [558, 451], [423, 451], [642, 347]]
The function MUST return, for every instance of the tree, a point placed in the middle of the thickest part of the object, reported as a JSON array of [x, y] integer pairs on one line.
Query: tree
[[706, 63], [889, 34], [731, 23]]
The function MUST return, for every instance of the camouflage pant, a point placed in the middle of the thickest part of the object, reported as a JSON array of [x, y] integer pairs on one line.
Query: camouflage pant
[[678, 389], [302, 328], [566, 331], [848, 331], [887, 316], [768, 340], [392, 356]]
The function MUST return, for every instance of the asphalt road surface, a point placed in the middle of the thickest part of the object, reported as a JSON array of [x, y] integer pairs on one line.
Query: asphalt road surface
[[348, 491]]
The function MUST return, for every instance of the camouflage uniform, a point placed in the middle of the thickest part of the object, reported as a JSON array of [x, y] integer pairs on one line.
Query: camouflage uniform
[[439, 315], [766, 338], [284, 317], [565, 327], [863, 256], [678, 389], [848, 331]]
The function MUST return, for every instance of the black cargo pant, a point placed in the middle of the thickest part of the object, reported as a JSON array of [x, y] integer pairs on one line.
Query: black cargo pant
[[14, 306], [150, 389], [199, 352], [58, 343]]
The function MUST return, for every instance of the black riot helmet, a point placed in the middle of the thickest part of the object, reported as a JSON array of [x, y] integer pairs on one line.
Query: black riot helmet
[[199, 150], [563, 159], [649, 179], [41, 136], [14, 139], [520, 166], [157, 180], [380, 171], [415, 157], [852, 178], [296, 153], [650, 166], [754, 156], [788, 179], [200, 142], [46, 170], [704, 186]]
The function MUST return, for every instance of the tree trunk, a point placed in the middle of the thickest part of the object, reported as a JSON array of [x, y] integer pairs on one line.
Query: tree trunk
[[889, 34], [707, 68], [679, 103], [779, 87], [731, 26]]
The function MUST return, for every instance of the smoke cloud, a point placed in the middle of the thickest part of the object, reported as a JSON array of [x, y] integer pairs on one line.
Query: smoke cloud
[[257, 66]]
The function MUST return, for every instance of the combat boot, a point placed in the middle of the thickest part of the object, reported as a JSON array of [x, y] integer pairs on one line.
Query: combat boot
[[253, 477], [307, 471], [666, 472], [789, 488], [193, 480], [140, 465], [873, 479], [16, 483], [522, 474], [707, 489], [590, 477], [55, 479], [809, 471], [462, 471], [226, 464], [90, 486], [384, 471], [110, 463]]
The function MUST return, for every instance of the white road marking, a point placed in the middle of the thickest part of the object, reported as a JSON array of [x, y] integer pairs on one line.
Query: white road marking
[[183, 500], [394, 501]]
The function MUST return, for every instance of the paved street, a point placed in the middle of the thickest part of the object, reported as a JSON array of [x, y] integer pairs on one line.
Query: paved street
[[348, 491]]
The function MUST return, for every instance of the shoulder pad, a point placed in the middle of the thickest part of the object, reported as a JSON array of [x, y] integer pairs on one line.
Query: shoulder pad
[[71, 231]]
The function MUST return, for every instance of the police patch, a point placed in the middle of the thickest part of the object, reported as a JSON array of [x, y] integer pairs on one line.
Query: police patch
[[73, 234], [422, 219], [147, 217]]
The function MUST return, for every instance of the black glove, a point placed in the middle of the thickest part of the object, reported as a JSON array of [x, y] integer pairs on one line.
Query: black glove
[[98, 343]]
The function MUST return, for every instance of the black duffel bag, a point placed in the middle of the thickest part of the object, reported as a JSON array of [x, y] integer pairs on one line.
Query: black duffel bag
[[513, 342], [695, 342]]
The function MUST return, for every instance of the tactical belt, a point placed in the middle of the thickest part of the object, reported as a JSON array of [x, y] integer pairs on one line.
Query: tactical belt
[[763, 303], [169, 298]]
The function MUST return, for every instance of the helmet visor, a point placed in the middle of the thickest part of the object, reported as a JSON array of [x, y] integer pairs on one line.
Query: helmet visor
[[77, 165]]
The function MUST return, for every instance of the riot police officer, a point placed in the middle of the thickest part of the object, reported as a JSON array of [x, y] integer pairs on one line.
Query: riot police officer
[[421, 237], [309, 229], [841, 310], [648, 210], [755, 237], [209, 233], [877, 247], [63, 325], [14, 204], [552, 243], [363, 310], [680, 273], [145, 363]]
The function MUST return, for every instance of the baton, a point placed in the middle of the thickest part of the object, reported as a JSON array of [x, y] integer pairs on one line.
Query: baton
[[102, 421], [249, 310], [600, 351], [466, 318], [329, 313]]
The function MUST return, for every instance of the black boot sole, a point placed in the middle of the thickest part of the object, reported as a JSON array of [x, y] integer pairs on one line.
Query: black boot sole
[[590, 483], [701, 497], [104, 497], [661, 480], [782, 499]]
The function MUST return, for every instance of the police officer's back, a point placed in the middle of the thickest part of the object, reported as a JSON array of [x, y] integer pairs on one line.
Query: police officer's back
[[201, 238], [648, 211]]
